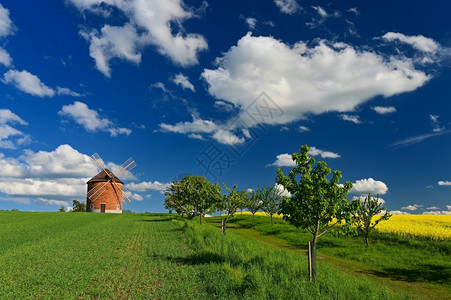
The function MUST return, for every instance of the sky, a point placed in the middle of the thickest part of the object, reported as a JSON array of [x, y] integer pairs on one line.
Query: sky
[[227, 90]]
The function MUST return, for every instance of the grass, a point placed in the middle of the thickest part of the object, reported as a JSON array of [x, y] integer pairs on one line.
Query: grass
[[143, 256], [423, 264]]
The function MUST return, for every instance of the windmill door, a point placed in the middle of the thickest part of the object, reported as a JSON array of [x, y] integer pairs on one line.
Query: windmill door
[[102, 208]]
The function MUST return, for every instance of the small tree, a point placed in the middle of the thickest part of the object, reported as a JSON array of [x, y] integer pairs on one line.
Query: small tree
[[244, 198], [369, 208], [62, 209], [174, 201], [229, 203], [271, 198], [78, 206], [254, 202], [317, 203], [200, 194]]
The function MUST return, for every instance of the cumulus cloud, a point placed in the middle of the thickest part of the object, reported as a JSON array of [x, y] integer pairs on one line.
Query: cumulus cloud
[[287, 6], [145, 186], [369, 185], [383, 110], [304, 129], [283, 160], [28, 83], [303, 80], [31, 84], [251, 22], [282, 190], [324, 154], [363, 197], [418, 42], [90, 119], [399, 212], [6, 28], [147, 23], [183, 81], [322, 16], [412, 207], [196, 128], [48, 177], [351, 118], [441, 182], [437, 212], [11, 137]]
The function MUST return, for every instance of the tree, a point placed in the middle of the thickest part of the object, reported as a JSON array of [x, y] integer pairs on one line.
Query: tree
[[78, 206], [194, 195], [62, 209], [369, 208], [254, 202], [271, 198], [174, 199], [244, 198], [317, 203], [230, 204]]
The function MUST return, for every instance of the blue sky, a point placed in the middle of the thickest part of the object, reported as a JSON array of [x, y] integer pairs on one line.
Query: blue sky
[[226, 90]]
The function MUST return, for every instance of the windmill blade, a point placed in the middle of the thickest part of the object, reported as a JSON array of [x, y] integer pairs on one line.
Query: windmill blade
[[100, 162], [127, 166], [95, 192], [124, 191], [119, 200]]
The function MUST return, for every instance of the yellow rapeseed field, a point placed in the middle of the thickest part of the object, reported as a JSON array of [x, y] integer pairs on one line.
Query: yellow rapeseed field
[[435, 227]]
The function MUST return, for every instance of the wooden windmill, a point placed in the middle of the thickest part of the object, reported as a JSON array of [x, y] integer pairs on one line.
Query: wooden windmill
[[105, 190]]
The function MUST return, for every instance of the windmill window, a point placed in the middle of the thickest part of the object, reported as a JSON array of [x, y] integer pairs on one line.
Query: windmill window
[[117, 206], [92, 206]]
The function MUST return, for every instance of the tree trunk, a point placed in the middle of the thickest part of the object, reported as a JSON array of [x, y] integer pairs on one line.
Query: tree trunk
[[253, 215], [367, 238], [312, 260], [201, 219], [224, 226], [272, 221]]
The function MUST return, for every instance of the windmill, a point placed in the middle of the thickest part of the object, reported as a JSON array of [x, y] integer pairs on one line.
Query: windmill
[[105, 190]]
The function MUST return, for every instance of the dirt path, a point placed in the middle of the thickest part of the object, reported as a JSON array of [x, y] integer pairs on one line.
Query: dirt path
[[415, 289]]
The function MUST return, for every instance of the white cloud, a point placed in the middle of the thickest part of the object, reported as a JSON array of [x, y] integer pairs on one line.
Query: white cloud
[[412, 207], [145, 186], [5, 58], [399, 212], [418, 42], [251, 22], [365, 186], [31, 84], [433, 208], [383, 110], [113, 42], [6, 28], [363, 197], [90, 119], [133, 196], [11, 137], [6, 25], [441, 182], [324, 154], [47, 177], [195, 128], [354, 10], [148, 23], [419, 138], [309, 80], [351, 118], [283, 160], [287, 6], [304, 129], [282, 190], [436, 123], [323, 15], [183, 81], [28, 83], [437, 212]]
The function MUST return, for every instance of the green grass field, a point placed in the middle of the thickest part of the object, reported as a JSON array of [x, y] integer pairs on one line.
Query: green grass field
[[142, 256]]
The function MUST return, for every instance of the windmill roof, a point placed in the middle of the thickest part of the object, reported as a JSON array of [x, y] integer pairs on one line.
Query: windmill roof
[[103, 177]]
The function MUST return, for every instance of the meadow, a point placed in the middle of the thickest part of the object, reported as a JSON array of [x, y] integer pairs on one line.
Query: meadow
[[149, 256]]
